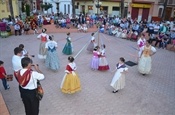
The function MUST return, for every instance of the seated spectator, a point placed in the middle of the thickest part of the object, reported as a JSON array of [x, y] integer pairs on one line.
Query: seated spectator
[[17, 29], [85, 28], [26, 27], [80, 28], [160, 39], [102, 29]]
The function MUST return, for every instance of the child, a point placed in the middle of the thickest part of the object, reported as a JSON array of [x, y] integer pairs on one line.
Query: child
[[3, 76], [24, 51], [71, 82], [95, 59], [103, 64]]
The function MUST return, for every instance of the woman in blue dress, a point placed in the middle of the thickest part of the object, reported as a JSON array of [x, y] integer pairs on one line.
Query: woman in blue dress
[[68, 46], [52, 60]]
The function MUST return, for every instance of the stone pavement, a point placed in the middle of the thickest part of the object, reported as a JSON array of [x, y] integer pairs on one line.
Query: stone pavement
[[152, 94]]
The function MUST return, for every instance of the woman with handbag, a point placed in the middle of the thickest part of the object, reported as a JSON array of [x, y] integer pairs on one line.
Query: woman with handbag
[[71, 82], [27, 80]]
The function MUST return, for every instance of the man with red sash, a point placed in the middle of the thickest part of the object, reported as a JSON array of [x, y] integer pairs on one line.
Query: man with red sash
[[27, 79]]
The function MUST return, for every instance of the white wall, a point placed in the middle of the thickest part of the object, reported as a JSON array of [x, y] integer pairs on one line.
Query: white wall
[[61, 5]]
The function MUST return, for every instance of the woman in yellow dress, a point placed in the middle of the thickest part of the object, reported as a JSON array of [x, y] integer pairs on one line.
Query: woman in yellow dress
[[71, 82], [145, 61]]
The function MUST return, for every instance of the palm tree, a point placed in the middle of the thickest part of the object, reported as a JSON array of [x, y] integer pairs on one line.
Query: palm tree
[[11, 8]]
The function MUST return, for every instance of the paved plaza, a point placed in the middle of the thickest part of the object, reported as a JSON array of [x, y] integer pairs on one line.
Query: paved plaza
[[152, 94]]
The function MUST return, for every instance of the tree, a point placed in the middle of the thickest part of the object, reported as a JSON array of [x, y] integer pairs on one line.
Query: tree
[[73, 8], [46, 6], [122, 8], [164, 9], [11, 8], [27, 9]]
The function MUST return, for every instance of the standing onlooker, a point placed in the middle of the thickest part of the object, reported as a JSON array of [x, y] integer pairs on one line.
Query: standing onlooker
[[17, 29], [44, 38], [16, 59], [68, 50], [144, 65], [3, 76], [71, 82], [118, 81], [52, 61], [27, 79]]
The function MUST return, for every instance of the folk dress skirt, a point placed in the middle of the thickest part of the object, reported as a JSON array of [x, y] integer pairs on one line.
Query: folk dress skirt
[[70, 83]]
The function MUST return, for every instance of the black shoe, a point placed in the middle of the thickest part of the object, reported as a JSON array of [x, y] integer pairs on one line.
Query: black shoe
[[114, 91], [143, 74]]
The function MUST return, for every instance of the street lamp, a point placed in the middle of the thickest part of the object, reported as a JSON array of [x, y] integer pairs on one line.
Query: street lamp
[[98, 5]]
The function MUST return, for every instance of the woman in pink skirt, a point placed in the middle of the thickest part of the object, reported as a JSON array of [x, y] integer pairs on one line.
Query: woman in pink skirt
[[95, 59]]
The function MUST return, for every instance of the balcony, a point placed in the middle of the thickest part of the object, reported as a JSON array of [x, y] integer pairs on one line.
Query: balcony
[[171, 2]]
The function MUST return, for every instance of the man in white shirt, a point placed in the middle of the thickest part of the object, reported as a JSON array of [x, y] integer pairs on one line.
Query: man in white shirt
[[17, 29], [16, 59], [27, 79]]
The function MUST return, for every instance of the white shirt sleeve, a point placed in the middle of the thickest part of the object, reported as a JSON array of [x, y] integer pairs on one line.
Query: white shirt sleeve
[[39, 36], [153, 49]]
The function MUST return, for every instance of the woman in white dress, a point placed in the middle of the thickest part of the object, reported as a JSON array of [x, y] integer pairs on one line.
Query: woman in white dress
[[145, 61], [44, 38], [118, 81]]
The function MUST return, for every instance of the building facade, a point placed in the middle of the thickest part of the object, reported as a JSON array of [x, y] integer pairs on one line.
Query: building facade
[[5, 9], [107, 7]]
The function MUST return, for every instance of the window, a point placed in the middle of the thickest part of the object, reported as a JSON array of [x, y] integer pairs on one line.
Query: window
[[115, 8], [160, 12], [90, 7], [64, 8], [161, 1], [170, 1], [68, 9]]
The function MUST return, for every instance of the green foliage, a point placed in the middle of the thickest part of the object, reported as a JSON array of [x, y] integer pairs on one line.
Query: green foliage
[[27, 9], [23, 7], [46, 6]]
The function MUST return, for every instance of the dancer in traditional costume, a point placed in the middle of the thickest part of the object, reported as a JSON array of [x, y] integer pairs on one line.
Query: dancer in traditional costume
[[144, 65], [71, 82], [52, 61], [95, 59], [103, 64], [140, 43], [68, 50], [118, 81], [92, 44], [44, 38]]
